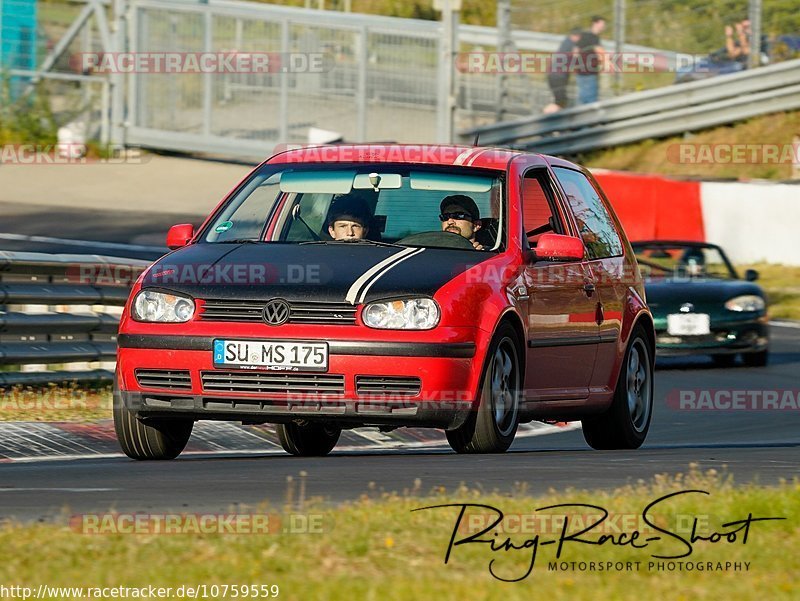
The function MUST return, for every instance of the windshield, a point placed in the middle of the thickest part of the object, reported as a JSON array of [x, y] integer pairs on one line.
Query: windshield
[[377, 204], [675, 260]]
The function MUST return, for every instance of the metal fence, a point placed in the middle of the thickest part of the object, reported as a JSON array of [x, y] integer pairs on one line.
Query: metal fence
[[59, 315], [654, 113], [382, 80], [693, 28]]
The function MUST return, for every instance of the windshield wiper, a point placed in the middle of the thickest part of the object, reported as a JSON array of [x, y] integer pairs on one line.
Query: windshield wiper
[[354, 241], [239, 241]]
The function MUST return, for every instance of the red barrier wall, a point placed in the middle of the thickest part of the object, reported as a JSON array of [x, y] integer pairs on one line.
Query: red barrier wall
[[655, 208]]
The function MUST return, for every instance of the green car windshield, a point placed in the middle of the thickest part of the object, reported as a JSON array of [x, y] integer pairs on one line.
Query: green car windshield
[[691, 260], [401, 205]]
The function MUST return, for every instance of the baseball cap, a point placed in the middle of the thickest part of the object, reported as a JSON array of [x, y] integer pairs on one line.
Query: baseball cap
[[349, 208], [460, 202]]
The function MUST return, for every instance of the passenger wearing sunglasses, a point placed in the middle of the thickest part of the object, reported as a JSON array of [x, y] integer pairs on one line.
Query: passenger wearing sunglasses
[[460, 215]]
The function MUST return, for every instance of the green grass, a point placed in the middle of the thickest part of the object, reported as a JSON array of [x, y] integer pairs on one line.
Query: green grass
[[378, 548], [64, 403], [662, 156]]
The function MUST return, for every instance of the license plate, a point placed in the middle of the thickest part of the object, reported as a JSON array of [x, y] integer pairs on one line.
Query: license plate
[[272, 355], [688, 324]]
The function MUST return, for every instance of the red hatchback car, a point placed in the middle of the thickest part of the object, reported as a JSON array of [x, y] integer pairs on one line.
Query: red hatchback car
[[468, 289]]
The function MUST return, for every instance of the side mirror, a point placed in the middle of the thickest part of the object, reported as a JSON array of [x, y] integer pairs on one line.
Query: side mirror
[[751, 275], [556, 247], [179, 235]]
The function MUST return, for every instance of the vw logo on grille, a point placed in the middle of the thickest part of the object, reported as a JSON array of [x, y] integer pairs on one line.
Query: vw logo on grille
[[276, 312], [687, 308]]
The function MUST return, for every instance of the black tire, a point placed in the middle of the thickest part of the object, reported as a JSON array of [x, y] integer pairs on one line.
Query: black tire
[[724, 360], [492, 426], [757, 359], [627, 421], [308, 439], [156, 439]]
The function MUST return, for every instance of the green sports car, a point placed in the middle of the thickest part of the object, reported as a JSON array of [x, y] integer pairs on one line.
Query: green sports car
[[700, 304]]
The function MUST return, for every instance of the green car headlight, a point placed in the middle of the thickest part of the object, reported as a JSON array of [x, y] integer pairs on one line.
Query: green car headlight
[[746, 303]]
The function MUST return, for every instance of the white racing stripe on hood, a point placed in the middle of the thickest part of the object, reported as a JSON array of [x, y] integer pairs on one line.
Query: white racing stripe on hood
[[385, 271], [352, 293]]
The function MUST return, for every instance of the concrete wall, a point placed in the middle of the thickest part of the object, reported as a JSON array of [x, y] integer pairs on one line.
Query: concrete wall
[[753, 222]]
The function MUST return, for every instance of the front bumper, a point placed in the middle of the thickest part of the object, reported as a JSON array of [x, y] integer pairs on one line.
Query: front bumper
[[447, 373], [728, 338]]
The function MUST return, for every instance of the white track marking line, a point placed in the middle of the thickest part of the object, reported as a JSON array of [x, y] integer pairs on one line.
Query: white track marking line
[[785, 324], [527, 431]]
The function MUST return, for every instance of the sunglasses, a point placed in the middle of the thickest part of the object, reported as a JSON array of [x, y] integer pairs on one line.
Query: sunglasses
[[459, 215]]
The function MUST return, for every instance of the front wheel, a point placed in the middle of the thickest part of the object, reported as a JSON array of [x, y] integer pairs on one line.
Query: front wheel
[[627, 421], [157, 439], [492, 426], [757, 359], [308, 439]]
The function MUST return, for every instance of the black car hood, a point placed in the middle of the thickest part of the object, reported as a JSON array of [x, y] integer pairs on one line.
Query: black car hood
[[334, 272], [670, 294]]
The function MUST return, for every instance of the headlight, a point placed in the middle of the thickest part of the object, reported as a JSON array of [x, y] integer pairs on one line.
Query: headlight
[[162, 307], [747, 302], [411, 314]]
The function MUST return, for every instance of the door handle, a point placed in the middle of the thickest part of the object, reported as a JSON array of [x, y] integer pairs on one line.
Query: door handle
[[589, 288]]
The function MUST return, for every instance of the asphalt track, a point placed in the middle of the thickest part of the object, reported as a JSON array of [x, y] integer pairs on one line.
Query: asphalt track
[[753, 446]]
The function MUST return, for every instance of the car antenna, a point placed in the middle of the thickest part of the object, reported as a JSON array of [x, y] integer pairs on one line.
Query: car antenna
[[477, 136]]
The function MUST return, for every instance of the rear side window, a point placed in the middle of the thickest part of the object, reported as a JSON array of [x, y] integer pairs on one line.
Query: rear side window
[[594, 223], [537, 212]]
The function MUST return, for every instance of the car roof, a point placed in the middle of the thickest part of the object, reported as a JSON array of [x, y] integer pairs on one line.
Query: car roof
[[425, 154]]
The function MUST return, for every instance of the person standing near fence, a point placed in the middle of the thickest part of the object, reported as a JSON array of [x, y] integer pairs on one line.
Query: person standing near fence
[[558, 76], [591, 61]]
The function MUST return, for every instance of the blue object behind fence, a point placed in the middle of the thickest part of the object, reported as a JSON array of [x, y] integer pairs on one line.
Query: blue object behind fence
[[18, 34]]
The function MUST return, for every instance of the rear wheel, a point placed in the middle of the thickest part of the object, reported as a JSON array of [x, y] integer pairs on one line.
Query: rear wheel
[[156, 439], [308, 439], [492, 427], [625, 424], [758, 359]]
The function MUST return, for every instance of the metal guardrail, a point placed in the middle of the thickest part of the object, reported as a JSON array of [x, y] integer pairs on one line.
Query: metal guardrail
[[654, 113], [60, 309]]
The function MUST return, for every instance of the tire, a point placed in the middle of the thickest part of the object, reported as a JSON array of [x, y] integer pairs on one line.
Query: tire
[[157, 439], [724, 360], [492, 426], [758, 359], [308, 439], [627, 421]]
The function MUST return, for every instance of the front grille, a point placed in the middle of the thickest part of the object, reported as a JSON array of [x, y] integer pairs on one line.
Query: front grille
[[267, 382], [300, 312], [377, 385], [164, 378]]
